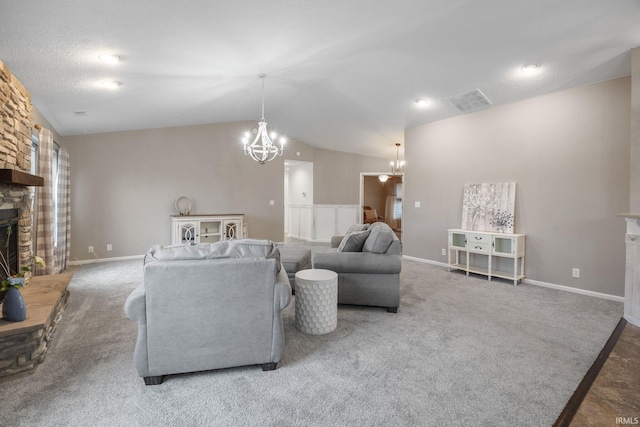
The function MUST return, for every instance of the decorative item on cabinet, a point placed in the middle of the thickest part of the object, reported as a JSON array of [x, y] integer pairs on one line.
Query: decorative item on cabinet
[[183, 205], [489, 207]]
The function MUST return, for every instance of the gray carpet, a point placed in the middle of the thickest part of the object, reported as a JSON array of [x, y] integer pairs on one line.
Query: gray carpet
[[460, 351]]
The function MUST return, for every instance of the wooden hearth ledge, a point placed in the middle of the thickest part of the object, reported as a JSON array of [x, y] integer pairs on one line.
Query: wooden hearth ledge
[[23, 345]]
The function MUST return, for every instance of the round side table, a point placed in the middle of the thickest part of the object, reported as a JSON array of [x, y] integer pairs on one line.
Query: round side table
[[316, 301]]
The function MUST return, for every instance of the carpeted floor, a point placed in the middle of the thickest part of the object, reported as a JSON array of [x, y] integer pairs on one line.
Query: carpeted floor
[[460, 351]]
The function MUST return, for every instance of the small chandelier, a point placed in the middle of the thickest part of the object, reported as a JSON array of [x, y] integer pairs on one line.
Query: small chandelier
[[397, 167], [262, 149]]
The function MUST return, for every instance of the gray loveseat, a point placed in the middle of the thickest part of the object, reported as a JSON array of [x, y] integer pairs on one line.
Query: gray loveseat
[[209, 306], [368, 262]]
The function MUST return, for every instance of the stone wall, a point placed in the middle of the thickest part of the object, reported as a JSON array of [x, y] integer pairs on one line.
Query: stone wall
[[15, 153]]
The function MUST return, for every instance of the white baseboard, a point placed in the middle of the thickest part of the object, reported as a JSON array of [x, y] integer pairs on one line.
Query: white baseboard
[[426, 261], [94, 261], [574, 290], [534, 282]]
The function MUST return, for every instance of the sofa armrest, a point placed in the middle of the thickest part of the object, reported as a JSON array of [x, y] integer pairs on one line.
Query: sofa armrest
[[358, 262], [136, 305], [282, 292]]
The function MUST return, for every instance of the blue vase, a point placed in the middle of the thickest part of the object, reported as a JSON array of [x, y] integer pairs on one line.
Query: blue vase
[[13, 308], [16, 280]]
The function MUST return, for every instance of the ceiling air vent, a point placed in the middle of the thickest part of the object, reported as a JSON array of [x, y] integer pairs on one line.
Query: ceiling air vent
[[80, 113], [470, 101]]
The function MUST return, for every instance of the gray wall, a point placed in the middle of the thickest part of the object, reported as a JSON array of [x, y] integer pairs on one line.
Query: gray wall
[[124, 184], [336, 176], [38, 119], [569, 154]]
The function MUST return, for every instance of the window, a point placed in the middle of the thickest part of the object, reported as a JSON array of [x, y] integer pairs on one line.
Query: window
[[397, 212], [34, 153]]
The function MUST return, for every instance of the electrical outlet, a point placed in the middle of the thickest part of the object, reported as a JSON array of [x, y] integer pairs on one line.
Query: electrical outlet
[[109, 247], [444, 252], [416, 204], [90, 249], [575, 273]]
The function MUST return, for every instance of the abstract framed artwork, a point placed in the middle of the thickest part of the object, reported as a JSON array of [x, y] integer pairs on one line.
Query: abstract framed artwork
[[489, 207]]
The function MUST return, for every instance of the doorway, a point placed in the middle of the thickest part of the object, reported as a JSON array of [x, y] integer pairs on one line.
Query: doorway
[[382, 201], [298, 199]]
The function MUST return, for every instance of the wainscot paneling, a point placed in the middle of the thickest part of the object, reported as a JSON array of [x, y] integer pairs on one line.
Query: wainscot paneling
[[321, 222]]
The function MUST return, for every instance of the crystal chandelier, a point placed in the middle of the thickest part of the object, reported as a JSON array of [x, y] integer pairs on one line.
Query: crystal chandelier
[[262, 149], [397, 167]]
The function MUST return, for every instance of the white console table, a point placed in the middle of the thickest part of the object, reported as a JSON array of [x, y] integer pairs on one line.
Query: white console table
[[488, 253], [193, 229]]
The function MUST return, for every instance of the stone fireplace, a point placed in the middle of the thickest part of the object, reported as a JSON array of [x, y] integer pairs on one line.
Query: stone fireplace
[[9, 238], [15, 154], [23, 345]]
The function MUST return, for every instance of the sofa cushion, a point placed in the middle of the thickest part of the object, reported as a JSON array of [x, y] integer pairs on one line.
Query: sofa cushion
[[379, 240], [241, 248], [187, 252], [254, 248], [356, 227], [353, 242]]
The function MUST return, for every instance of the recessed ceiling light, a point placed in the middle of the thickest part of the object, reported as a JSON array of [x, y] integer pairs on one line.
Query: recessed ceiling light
[[111, 84], [530, 69], [422, 102], [109, 58]]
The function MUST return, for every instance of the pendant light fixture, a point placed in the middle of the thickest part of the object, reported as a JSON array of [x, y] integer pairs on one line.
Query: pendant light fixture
[[397, 167], [262, 149]]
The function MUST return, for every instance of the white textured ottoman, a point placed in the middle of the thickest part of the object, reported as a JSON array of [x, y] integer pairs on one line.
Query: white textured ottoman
[[316, 301]]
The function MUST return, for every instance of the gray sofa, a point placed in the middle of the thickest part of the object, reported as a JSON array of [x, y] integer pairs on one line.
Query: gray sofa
[[368, 262], [209, 306]]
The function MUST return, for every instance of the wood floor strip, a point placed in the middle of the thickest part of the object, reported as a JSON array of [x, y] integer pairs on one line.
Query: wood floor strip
[[578, 396]]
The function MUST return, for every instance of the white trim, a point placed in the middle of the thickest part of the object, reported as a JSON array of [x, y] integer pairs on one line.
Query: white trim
[[310, 232], [97, 260], [632, 320], [426, 261], [574, 290], [535, 282]]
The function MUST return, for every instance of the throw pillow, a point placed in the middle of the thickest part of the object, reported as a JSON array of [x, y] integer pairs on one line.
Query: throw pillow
[[353, 242], [378, 241]]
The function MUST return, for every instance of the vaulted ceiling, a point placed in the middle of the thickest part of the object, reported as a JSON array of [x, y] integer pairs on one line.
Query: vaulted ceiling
[[341, 74]]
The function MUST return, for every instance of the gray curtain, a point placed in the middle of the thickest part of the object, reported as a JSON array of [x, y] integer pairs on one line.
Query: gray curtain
[[44, 204], [63, 247]]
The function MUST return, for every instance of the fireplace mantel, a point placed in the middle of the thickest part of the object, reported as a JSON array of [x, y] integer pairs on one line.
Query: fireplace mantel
[[16, 177]]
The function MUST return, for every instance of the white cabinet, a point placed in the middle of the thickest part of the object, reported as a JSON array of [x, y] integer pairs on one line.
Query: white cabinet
[[490, 254], [193, 229]]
